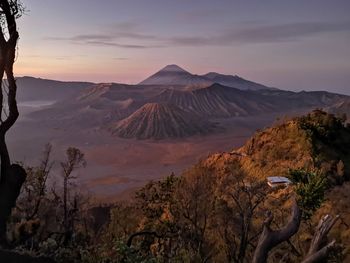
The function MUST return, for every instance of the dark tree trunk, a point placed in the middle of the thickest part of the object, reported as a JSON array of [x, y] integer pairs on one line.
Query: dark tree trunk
[[319, 248], [270, 238], [65, 208], [12, 175], [10, 187]]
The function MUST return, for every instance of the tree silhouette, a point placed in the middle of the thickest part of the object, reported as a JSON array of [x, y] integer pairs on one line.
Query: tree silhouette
[[12, 175], [75, 160]]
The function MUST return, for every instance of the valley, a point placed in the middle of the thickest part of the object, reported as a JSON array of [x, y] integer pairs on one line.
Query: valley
[[131, 134], [116, 166]]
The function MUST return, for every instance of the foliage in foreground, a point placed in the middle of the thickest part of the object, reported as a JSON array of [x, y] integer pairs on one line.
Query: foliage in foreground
[[310, 188], [214, 212]]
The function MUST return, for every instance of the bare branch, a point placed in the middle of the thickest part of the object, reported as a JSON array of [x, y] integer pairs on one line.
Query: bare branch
[[270, 238], [316, 252]]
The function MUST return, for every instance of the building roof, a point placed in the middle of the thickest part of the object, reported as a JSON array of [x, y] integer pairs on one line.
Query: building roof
[[278, 180]]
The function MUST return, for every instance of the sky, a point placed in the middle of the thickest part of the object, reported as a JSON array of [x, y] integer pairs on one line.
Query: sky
[[295, 45]]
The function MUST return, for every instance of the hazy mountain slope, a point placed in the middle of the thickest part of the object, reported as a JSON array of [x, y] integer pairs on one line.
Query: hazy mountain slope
[[301, 100], [305, 97], [341, 107], [216, 101], [111, 96], [234, 81], [30, 88], [100, 105], [114, 92], [237, 102], [220, 101], [159, 121], [96, 106]]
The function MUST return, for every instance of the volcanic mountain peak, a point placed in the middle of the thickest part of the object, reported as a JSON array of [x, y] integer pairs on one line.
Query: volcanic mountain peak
[[160, 121], [174, 75], [173, 68]]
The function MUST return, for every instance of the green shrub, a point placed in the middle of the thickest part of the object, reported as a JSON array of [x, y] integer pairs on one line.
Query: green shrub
[[310, 188]]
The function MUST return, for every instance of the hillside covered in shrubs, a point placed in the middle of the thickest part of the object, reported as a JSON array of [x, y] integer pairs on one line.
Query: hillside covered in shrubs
[[213, 212]]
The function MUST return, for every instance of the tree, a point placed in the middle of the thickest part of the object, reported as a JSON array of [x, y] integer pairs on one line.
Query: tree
[[33, 207], [271, 238], [196, 212], [34, 189], [12, 175], [75, 160], [319, 248], [310, 188], [205, 215], [156, 201], [241, 199]]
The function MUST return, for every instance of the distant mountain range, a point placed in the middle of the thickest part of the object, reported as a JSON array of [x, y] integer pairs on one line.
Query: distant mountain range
[[175, 75], [44, 89], [217, 101], [163, 106]]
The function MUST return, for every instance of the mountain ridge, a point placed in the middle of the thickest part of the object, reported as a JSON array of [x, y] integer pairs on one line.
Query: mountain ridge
[[315, 141], [102, 105], [175, 75], [160, 121], [234, 81]]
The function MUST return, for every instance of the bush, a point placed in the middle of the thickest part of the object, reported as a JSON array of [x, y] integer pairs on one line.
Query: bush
[[310, 188]]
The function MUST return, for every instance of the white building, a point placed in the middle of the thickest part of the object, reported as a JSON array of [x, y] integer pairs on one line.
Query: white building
[[276, 181]]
